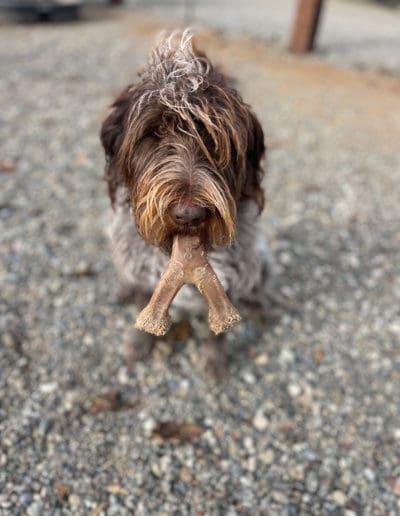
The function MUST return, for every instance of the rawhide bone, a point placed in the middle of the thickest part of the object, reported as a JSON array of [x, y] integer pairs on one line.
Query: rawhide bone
[[188, 264]]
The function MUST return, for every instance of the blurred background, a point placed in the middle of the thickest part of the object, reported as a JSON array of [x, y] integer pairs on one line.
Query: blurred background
[[307, 421]]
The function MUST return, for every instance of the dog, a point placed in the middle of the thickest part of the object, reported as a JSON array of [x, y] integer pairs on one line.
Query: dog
[[183, 156]]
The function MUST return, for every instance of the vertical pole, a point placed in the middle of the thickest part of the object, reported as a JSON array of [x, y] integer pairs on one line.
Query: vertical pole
[[305, 25]]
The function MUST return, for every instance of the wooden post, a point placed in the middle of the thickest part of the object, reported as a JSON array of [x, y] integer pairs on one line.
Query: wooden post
[[305, 25]]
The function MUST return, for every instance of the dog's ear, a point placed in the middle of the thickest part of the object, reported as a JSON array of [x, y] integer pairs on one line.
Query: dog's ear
[[252, 188], [111, 136]]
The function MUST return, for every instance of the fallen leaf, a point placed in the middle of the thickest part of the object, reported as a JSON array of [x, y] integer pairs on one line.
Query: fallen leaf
[[395, 485], [170, 431], [185, 475], [7, 166], [318, 356], [62, 490], [179, 332], [111, 400]]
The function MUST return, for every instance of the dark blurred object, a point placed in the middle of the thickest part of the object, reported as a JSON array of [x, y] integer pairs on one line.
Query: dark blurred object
[[32, 11], [305, 26]]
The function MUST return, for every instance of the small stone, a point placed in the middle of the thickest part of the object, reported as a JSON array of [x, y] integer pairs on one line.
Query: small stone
[[74, 500], [148, 426], [279, 497], [286, 356], [296, 472], [88, 340], [35, 509], [338, 497], [267, 457], [155, 469], [185, 475], [261, 359], [47, 388], [249, 378], [8, 340], [285, 258], [294, 390], [248, 443], [312, 483], [260, 422], [25, 498], [251, 464], [45, 426], [369, 474]]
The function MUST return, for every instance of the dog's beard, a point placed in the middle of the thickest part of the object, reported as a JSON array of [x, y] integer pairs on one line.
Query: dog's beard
[[160, 188]]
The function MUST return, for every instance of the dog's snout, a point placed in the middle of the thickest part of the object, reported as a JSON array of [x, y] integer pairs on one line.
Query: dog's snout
[[188, 214]]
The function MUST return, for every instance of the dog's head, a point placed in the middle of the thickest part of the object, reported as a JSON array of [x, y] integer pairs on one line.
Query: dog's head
[[190, 148]]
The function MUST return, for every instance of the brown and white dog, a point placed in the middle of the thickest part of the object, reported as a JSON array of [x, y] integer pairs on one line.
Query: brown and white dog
[[183, 155]]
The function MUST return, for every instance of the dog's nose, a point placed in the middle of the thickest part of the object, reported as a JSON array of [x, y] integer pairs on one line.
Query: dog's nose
[[188, 214]]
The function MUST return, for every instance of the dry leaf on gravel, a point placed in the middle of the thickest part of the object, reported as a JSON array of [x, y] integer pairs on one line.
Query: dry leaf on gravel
[[179, 332], [7, 166], [173, 432], [62, 491], [111, 400], [318, 356]]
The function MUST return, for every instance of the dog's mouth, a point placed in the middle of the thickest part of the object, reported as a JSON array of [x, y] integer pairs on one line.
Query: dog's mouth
[[158, 227]]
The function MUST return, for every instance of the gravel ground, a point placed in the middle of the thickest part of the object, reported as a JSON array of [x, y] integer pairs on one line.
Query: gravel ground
[[308, 420]]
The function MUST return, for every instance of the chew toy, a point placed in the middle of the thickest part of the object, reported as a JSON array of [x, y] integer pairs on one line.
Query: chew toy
[[188, 264]]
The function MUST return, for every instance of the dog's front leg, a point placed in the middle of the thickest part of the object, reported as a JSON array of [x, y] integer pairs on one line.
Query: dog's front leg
[[213, 357], [137, 345]]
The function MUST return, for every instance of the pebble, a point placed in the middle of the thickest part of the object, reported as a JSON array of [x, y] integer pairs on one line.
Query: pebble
[[47, 388], [261, 359], [286, 356], [74, 500], [25, 498], [338, 497], [296, 472], [248, 443], [148, 426], [369, 474], [294, 390], [249, 378], [260, 422], [312, 482], [35, 509], [267, 457], [279, 497]]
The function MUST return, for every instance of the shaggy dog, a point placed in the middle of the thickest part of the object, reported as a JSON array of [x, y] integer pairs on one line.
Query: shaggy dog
[[183, 155]]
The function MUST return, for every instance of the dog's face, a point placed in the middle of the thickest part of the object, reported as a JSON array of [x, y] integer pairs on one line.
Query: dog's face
[[190, 149]]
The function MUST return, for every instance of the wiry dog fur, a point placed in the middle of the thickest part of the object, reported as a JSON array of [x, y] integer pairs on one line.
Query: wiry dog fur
[[182, 134]]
